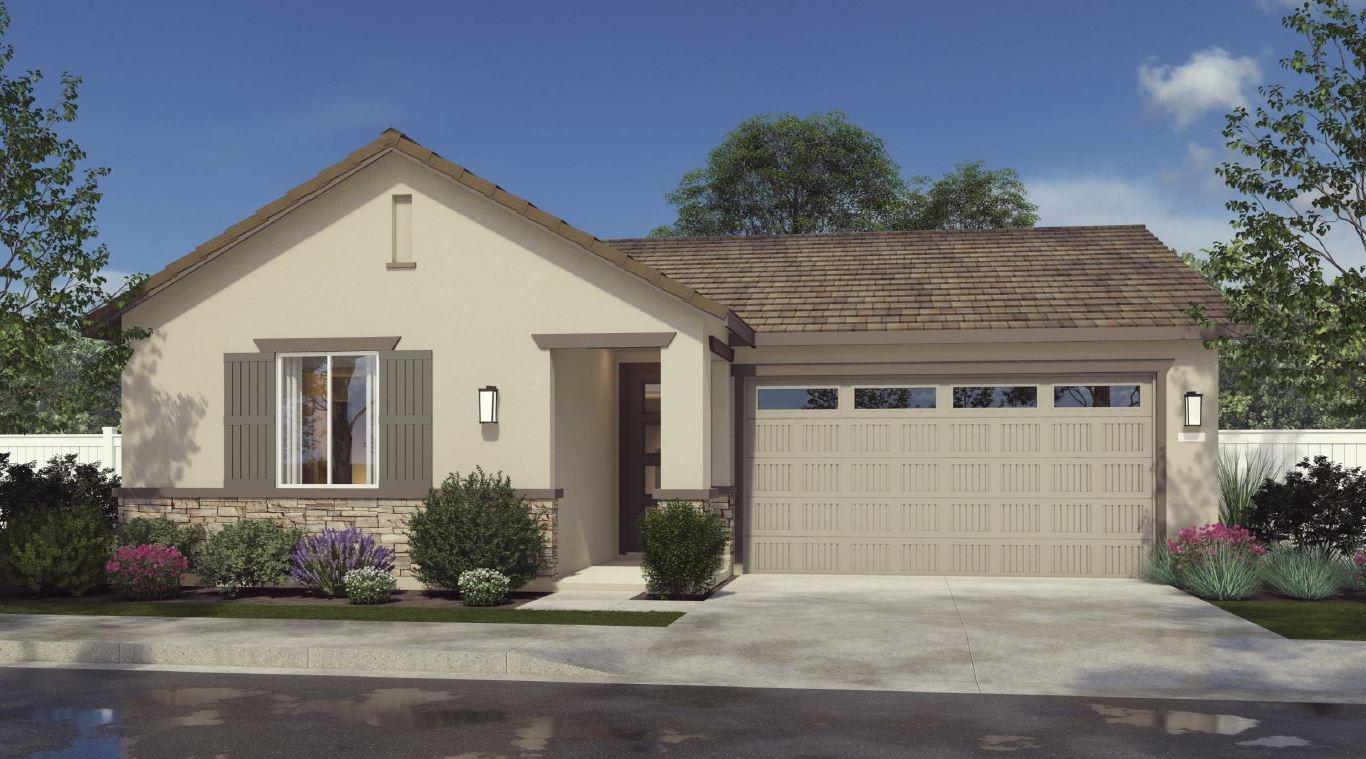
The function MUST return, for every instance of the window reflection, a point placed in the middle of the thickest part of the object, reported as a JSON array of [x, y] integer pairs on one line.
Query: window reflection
[[797, 398], [996, 396]]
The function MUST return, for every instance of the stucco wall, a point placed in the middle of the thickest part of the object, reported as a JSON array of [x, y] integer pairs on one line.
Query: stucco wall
[[586, 467], [485, 281], [1192, 467]]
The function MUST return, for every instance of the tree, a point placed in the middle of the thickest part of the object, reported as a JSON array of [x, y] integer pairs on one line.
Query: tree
[[1302, 177], [783, 174], [50, 267], [969, 197]]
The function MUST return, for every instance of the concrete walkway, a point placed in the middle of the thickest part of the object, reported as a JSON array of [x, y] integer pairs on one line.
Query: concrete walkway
[[972, 635]]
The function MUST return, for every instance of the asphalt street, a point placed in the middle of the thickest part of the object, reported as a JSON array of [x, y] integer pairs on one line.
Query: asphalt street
[[106, 713]]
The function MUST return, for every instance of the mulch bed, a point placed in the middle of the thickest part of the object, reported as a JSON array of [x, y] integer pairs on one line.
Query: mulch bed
[[1348, 597], [299, 597]]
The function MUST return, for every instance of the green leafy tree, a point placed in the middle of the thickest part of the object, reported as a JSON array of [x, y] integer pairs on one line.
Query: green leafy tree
[[781, 174], [1286, 274], [50, 265], [969, 197]]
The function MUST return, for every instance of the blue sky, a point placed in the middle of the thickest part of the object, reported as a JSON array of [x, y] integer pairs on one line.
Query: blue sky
[[205, 111]]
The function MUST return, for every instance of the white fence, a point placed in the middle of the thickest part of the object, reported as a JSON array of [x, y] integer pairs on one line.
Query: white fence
[[1346, 447], [105, 449]]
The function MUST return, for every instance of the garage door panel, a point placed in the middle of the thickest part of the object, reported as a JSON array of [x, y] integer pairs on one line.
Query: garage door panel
[[1015, 491]]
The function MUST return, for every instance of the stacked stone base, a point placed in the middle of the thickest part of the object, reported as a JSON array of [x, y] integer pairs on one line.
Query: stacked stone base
[[386, 519]]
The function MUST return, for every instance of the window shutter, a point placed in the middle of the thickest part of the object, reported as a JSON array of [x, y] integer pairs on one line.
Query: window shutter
[[249, 420], [405, 421]]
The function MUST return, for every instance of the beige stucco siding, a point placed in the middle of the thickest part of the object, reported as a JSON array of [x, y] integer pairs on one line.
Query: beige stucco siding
[[1191, 459], [586, 464], [485, 281]]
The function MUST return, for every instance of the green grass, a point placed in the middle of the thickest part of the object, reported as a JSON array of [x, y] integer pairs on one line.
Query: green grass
[[1305, 620], [360, 613]]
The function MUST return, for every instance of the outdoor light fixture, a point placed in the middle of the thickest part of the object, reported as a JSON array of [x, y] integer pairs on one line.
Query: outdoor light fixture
[[1194, 409], [488, 405]]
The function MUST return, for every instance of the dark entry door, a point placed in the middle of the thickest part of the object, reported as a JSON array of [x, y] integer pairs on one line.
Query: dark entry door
[[639, 440]]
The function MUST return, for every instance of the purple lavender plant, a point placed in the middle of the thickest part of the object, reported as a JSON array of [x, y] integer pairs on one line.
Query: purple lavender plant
[[321, 561]]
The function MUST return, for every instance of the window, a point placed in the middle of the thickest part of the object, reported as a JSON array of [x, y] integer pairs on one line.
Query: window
[[893, 397], [329, 419], [1095, 396], [403, 229], [1014, 396], [794, 398]]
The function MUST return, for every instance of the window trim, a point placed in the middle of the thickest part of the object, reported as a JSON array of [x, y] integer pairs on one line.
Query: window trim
[[280, 422]]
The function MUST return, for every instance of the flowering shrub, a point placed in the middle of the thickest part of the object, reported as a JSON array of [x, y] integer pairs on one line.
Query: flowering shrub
[[321, 561], [145, 572], [483, 587], [1194, 544], [1359, 561], [369, 585]]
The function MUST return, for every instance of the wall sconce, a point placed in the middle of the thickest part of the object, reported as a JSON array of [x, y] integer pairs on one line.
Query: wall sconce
[[488, 405], [1194, 409]]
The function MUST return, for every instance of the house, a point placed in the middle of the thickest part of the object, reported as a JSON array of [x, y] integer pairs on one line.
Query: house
[[1014, 402]]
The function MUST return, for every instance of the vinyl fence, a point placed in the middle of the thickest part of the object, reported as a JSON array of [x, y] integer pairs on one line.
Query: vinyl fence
[[1347, 447], [105, 448]]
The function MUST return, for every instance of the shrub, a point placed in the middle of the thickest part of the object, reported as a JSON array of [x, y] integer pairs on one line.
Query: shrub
[[252, 553], [483, 587], [145, 572], [1309, 573], [1317, 504], [52, 550], [681, 548], [472, 522], [369, 585], [61, 484], [1193, 544], [1224, 573], [160, 531], [1159, 567], [1240, 477], [1359, 567], [321, 561]]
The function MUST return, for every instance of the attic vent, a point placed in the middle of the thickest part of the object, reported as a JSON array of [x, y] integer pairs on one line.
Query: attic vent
[[402, 256]]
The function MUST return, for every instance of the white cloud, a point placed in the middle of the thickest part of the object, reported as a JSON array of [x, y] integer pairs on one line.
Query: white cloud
[[1085, 200], [1211, 80]]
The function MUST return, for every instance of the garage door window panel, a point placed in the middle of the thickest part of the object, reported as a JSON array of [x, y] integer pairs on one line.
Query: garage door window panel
[[798, 399], [995, 396], [884, 398], [1097, 396]]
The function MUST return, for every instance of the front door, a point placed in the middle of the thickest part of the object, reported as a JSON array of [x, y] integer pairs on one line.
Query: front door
[[639, 440]]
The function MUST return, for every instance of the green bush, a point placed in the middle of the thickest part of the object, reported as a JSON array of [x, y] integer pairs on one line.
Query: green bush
[[473, 522], [57, 550], [1309, 573], [369, 585], [252, 553], [1223, 574], [59, 485], [483, 587], [681, 548], [1241, 476], [160, 531], [1159, 567]]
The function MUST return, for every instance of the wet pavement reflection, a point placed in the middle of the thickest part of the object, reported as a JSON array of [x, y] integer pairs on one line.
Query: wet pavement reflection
[[99, 713]]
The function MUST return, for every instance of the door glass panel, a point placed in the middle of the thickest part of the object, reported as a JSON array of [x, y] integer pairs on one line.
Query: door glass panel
[[353, 390], [1011, 396], [305, 420], [651, 477], [1095, 396], [797, 398], [651, 398], [651, 438], [893, 397]]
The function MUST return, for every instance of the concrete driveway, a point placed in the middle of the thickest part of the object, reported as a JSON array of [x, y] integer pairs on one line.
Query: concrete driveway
[[969, 634]]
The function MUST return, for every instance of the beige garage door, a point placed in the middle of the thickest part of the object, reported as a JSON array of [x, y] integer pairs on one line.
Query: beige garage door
[[1011, 476]]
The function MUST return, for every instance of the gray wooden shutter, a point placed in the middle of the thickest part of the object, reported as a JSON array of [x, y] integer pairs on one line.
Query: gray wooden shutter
[[248, 421], [405, 421]]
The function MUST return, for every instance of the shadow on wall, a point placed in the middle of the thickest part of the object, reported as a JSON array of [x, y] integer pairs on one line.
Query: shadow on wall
[[160, 447]]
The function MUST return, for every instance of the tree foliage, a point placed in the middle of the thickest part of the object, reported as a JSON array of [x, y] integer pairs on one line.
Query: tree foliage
[[783, 174], [1301, 177], [969, 197], [50, 263]]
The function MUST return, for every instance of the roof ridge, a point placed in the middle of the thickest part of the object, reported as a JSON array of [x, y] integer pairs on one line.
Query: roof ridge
[[894, 233]]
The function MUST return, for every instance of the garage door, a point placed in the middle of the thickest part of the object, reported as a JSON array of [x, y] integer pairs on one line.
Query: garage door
[[1012, 476]]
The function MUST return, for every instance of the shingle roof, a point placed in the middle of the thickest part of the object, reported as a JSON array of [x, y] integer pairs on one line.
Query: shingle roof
[[1114, 276]]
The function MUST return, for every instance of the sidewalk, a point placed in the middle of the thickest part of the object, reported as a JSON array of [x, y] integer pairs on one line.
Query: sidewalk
[[964, 635]]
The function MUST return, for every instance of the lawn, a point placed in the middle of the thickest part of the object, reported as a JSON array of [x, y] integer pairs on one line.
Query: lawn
[[1306, 620], [355, 613]]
